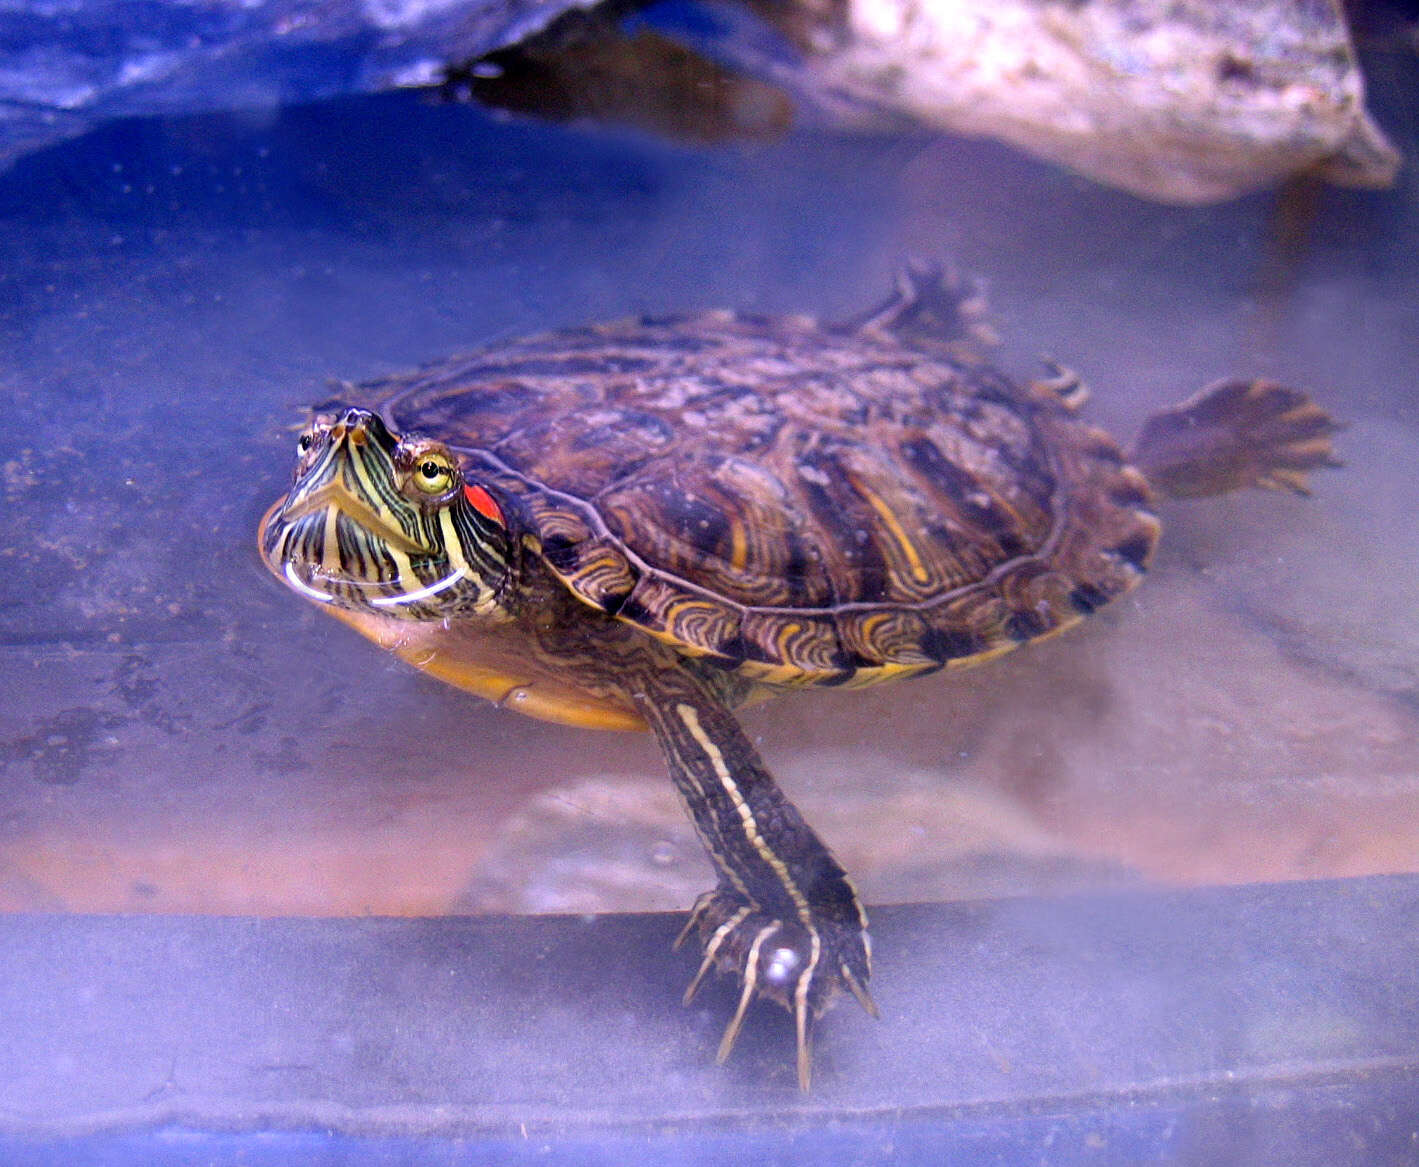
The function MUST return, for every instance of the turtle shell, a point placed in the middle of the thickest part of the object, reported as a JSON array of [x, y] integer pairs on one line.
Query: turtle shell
[[804, 503]]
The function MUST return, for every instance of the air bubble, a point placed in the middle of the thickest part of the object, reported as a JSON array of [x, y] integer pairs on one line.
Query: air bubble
[[782, 965]]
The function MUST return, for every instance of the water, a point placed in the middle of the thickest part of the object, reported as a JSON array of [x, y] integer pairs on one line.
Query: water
[[180, 734]]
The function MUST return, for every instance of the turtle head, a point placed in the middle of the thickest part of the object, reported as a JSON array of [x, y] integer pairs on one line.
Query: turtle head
[[385, 524]]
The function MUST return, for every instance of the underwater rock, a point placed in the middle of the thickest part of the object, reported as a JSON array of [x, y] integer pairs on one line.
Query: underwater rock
[[69, 65], [1183, 101], [1180, 101]]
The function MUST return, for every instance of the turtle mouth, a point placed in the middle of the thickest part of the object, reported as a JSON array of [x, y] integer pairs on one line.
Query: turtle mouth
[[332, 547], [333, 496]]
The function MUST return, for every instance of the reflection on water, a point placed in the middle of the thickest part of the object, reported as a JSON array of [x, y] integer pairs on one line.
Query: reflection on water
[[178, 734]]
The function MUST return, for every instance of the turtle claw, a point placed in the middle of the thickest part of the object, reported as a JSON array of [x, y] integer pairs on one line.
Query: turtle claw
[[751, 972], [800, 965], [692, 921], [736, 1023], [859, 990], [712, 947], [805, 1048]]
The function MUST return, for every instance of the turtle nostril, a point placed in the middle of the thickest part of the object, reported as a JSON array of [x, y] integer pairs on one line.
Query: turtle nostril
[[355, 425]]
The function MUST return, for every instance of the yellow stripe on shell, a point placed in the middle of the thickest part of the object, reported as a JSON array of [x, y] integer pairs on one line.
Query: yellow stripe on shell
[[898, 533], [738, 546]]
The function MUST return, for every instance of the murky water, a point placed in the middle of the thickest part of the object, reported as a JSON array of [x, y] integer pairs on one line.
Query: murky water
[[179, 733]]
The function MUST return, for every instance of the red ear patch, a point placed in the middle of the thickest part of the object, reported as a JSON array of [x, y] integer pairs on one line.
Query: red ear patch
[[484, 503]]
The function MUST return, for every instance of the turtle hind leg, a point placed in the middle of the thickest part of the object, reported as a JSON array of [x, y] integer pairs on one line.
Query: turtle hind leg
[[933, 305], [784, 918], [1236, 434]]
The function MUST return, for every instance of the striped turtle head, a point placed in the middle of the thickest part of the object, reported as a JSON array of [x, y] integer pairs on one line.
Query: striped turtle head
[[385, 524]]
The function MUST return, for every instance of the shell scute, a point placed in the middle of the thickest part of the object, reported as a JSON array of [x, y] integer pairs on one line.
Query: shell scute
[[808, 640], [702, 623], [899, 635]]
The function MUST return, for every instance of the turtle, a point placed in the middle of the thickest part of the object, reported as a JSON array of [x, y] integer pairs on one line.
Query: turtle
[[651, 523]]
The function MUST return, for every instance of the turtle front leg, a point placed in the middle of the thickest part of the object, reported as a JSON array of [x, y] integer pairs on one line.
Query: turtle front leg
[[784, 916]]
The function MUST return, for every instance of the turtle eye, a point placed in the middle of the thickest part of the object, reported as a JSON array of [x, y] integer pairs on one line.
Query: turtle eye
[[432, 474], [306, 446]]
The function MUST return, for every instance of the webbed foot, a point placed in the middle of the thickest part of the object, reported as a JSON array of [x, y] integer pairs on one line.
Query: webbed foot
[[933, 305], [800, 964], [1236, 434]]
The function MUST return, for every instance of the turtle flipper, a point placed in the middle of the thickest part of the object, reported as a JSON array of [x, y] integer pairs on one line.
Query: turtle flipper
[[1235, 434], [784, 917], [933, 305]]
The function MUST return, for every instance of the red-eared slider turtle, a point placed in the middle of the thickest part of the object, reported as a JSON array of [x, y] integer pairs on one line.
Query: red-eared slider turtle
[[650, 523]]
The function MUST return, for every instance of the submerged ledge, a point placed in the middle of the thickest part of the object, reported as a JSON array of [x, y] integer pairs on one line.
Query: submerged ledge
[[1135, 1023]]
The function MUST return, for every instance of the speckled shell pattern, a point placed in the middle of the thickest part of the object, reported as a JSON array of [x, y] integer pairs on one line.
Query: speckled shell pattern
[[801, 503]]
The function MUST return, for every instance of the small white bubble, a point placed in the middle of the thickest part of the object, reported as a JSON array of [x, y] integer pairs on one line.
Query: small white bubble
[[782, 964]]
